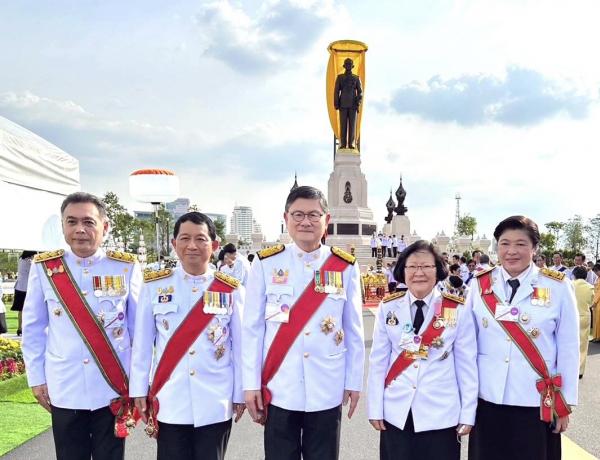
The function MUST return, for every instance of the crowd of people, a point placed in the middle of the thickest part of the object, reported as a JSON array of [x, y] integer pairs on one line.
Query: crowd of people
[[390, 245], [460, 346]]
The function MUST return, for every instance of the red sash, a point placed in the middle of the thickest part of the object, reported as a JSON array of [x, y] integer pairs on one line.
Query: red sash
[[434, 329], [551, 398], [183, 338], [300, 313], [94, 336]]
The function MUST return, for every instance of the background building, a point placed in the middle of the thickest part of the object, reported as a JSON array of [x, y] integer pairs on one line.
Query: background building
[[178, 207], [242, 223]]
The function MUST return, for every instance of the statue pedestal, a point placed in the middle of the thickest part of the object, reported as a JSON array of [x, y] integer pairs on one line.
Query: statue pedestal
[[401, 226], [352, 221]]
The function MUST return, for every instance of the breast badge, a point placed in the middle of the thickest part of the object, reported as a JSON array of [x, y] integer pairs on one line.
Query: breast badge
[[280, 276], [339, 337], [391, 319], [219, 352], [327, 325]]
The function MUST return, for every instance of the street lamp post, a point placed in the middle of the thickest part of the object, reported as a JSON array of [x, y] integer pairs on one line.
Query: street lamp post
[[154, 186]]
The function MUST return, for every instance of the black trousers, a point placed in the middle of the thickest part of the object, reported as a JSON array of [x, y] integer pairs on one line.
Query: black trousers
[[397, 444], [291, 435], [511, 432], [186, 442], [348, 127], [395, 248], [373, 252], [81, 434]]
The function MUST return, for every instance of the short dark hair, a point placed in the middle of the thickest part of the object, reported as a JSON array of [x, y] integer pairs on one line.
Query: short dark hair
[[470, 261], [309, 193], [83, 197], [463, 259], [596, 268], [454, 267], [475, 252], [456, 256], [579, 254], [229, 248], [441, 272], [519, 223], [455, 281], [196, 218], [580, 273], [484, 259]]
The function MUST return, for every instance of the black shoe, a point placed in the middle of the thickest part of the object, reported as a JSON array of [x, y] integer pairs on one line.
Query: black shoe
[[580, 376], [19, 332]]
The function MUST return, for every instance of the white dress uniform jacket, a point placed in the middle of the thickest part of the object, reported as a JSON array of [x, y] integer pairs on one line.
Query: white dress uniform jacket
[[202, 388], [442, 389], [316, 369], [53, 350], [505, 375]]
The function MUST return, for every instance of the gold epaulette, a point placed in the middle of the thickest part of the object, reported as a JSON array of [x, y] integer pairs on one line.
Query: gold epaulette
[[558, 276], [454, 298], [48, 255], [228, 280], [394, 296], [122, 256], [483, 272], [271, 251], [153, 275], [343, 255]]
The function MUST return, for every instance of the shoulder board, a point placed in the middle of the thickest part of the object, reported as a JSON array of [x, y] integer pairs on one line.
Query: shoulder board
[[558, 276], [271, 251], [49, 255], [153, 275], [227, 279], [343, 255], [483, 272], [454, 298], [394, 296], [122, 256]]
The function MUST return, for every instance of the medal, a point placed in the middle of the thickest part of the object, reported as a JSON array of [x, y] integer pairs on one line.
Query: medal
[[391, 319], [49, 272], [407, 327], [339, 337], [165, 298], [280, 276], [524, 318], [327, 325], [534, 333], [219, 352], [484, 322], [438, 323], [438, 342], [165, 324], [57, 311], [117, 332], [540, 296]]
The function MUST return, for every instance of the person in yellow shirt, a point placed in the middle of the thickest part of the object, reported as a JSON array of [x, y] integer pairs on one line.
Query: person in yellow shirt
[[584, 293], [596, 306]]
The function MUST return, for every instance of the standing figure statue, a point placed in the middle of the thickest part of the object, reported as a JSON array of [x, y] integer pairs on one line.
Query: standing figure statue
[[347, 97]]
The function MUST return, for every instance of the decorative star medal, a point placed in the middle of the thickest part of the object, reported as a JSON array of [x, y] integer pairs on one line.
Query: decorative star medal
[[327, 325]]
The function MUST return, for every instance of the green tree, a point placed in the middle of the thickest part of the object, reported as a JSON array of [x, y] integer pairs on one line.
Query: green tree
[[574, 234], [555, 227], [220, 225], [592, 230], [467, 225], [122, 224], [547, 242]]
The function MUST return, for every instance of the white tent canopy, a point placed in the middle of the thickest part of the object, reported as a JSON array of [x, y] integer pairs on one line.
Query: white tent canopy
[[35, 176]]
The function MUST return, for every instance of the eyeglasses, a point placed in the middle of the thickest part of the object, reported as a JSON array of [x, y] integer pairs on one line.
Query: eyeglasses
[[299, 216], [423, 268]]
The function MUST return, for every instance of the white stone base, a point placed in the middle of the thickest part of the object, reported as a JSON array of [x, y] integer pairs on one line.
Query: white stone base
[[351, 223]]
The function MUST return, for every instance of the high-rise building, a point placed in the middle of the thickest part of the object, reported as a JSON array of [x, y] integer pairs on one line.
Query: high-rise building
[[178, 207], [242, 223]]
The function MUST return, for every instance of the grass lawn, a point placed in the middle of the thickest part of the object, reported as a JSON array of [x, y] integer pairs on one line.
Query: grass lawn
[[22, 418]]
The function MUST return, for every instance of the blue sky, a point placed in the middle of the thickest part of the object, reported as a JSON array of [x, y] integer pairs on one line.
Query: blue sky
[[497, 100]]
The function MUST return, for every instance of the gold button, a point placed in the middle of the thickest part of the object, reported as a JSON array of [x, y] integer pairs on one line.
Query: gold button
[[85, 361], [508, 339], [192, 352], [192, 372], [84, 292], [506, 360], [306, 355]]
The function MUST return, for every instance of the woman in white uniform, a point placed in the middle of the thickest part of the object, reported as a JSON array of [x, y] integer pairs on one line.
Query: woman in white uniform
[[528, 351], [423, 371]]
